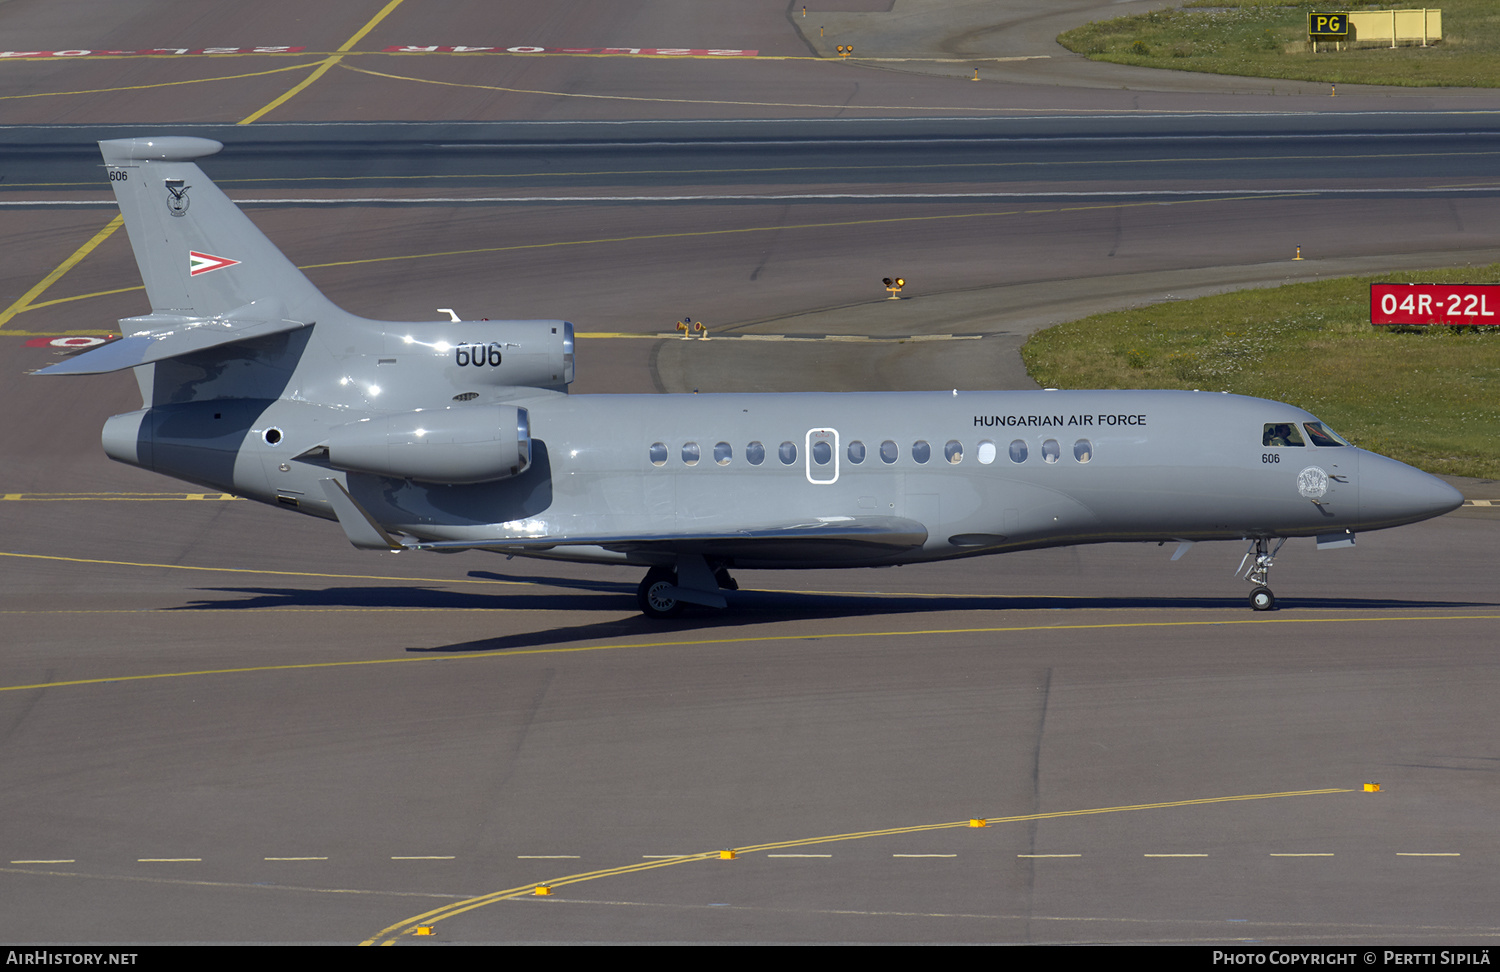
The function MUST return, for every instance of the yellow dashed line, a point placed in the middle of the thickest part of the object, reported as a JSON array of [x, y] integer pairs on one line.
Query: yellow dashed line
[[389, 934]]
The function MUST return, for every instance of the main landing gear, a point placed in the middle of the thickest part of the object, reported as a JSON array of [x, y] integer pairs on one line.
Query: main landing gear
[[1261, 598], [666, 590], [656, 593]]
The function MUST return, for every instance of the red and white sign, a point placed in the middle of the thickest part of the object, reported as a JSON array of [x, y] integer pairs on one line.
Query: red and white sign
[[156, 51], [207, 263], [533, 49], [1434, 303], [400, 49]]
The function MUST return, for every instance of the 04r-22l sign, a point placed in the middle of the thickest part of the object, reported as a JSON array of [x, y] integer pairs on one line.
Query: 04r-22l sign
[[1434, 303]]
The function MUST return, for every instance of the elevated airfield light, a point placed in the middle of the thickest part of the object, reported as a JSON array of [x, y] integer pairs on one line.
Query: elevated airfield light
[[893, 286]]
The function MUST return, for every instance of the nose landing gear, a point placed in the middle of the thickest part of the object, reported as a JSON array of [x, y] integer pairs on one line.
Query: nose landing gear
[[1261, 598]]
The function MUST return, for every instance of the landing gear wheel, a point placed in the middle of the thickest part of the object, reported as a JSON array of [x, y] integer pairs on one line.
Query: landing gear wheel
[[654, 594], [1261, 599]]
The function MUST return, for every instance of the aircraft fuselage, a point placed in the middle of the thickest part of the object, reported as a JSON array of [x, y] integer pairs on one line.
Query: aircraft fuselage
[[980, 472]]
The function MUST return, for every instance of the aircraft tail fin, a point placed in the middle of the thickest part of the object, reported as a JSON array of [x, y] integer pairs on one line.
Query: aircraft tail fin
[[199, 255], [213, 278]]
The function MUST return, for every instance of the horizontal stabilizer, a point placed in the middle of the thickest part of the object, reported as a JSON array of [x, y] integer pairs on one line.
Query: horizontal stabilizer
[[157, 336]]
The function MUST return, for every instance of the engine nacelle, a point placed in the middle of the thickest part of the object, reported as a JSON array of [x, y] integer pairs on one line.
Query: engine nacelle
[[466, 444], [530, 354]]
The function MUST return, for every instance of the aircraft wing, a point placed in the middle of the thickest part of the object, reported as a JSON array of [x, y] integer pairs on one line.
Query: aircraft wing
[[879, 535]]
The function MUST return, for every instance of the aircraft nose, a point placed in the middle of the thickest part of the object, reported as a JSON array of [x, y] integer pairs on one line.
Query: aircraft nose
[[1392, 492]]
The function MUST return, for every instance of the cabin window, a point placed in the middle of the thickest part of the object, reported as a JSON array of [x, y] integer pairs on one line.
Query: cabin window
[[888, 451], [658, 453], [822, 452], [1281, 434], [1018, 451], [1322, 435], [691, 453], [788, 453], [755, 453], [954, 451], [921, 451], [986, 452], [1051, 451], [723, 453], [1083, 450], [856, 452]]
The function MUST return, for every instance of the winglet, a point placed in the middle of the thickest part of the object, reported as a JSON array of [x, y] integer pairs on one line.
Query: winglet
[[359, 526]]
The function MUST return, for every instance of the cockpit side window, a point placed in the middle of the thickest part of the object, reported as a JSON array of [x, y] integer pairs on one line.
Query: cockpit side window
[[1281, 434], [1322, 435]]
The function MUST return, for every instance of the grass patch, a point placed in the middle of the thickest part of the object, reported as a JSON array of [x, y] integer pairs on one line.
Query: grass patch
[[1268, 39], [1429, 397]]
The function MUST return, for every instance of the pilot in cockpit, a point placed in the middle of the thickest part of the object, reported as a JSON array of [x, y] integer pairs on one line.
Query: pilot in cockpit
[[1281, 434]]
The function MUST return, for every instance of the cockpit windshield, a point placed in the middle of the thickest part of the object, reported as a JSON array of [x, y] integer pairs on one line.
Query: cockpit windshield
[[1322, 435], [1287, 434]]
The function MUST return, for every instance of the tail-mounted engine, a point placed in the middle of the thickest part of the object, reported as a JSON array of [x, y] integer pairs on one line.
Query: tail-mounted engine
[[528, 354], [467, 444]]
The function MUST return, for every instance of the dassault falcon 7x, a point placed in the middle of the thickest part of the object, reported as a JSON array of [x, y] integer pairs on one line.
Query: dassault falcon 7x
[[451, 435]]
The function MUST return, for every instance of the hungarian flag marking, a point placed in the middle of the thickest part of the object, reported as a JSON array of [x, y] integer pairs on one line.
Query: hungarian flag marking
[[205, 262]]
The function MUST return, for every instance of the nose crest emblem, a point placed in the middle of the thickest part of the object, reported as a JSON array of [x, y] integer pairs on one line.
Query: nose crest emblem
[[1312, 482]]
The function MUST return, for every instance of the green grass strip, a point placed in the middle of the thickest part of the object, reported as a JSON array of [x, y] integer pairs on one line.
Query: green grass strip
[[1427, 396], [1268, 39]]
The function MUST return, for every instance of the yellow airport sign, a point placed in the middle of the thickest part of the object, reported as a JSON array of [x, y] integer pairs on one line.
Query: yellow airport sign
[[1327, 26]]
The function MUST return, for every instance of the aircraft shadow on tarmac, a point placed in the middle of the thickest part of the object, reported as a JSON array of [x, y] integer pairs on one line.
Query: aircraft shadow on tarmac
[[746, 607]]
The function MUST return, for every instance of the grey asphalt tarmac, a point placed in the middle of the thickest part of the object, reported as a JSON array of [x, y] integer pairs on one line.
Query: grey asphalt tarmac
[[219, 722]]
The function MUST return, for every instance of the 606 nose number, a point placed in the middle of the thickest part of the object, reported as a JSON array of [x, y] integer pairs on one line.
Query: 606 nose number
[[478, 355]]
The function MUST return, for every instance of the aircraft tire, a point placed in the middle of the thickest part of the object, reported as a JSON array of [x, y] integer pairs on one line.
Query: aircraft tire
[[1261, 599], [652, 595]]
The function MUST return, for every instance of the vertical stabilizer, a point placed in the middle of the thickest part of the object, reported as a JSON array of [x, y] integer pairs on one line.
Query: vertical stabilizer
[[199, 255]]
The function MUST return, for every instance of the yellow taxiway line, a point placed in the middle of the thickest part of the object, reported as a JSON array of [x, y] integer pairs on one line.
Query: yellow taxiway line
[[322, 66], [391, 933]]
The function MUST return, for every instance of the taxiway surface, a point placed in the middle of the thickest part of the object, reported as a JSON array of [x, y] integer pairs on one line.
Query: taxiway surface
[[221, 723]]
